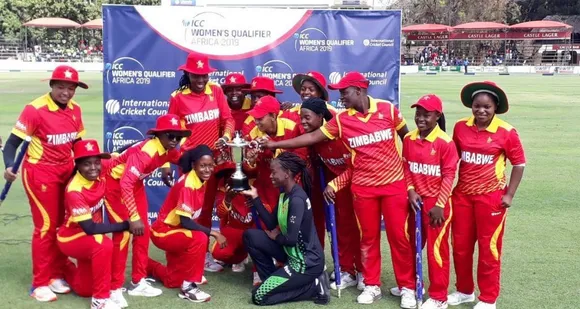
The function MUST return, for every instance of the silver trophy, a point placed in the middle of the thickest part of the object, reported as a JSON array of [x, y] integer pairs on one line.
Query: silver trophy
[[238, 181]]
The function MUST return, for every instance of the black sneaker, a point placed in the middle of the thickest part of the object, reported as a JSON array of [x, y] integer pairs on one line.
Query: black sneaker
[[194, 294], [323, 297]]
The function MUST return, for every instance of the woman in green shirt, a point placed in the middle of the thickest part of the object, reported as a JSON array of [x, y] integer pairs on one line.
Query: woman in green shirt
[[289, 237]]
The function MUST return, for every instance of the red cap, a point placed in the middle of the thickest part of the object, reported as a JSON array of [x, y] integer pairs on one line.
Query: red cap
[[430, 102], [66, 73], [350, 79], [261, 83], [235, 80], [169, 123], [197, 64], [88, 148], [316, 77], [264, 106]]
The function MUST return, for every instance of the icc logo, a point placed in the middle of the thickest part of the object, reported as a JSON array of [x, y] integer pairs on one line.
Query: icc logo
[[334, 77], [122, 137], [112, 106], [273, 66]]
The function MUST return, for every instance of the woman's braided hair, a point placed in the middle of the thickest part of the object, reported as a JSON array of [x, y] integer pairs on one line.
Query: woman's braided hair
[[184, 82], [293, 163]]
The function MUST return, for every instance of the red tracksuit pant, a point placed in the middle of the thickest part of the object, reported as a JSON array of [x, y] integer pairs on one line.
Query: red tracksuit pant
[[92, 275], [117, 212], [437, 241], [348, 233], [235, 251], [481, 219], [44, 186], [369, 205], [185, 254]]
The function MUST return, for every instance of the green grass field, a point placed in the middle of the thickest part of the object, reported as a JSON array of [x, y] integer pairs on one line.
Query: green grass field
[[541, 251]]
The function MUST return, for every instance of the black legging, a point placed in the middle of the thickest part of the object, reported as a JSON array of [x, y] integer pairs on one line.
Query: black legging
[[281, 284]]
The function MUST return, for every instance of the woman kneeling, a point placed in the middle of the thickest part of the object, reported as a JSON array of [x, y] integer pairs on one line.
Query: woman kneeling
[[176, 232], [295, 242]]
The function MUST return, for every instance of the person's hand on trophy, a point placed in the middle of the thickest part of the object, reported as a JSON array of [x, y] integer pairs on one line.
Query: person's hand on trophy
[[265, 142], [252, 155], [221, 142]]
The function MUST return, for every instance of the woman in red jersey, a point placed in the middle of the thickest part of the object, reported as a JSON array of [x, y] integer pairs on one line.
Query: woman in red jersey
[[235, 88], [82, 236], [178, 234], [269, 125], [259, 87], [481, 198], [369, 127], [336, 157], [53, 122], [202, 108], [311, 85], [430, 162], [126, 200]]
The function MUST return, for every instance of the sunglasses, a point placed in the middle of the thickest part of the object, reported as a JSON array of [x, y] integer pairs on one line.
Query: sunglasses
[[173, 137]]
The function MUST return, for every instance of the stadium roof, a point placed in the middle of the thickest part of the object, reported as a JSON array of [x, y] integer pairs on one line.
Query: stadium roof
[[573, 20], [52, 22], [541, 24], [94, 24], [481, 25], [427, 28]]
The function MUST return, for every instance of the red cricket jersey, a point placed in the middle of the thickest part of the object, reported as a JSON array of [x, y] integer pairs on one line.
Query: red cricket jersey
[[239, 216], [371, 139], [52, 130], [240, 115], [430, 164], [249, 124], [84, 200], [136, 163], [286, 129], [483, 154], [184, 199], [207, 115]]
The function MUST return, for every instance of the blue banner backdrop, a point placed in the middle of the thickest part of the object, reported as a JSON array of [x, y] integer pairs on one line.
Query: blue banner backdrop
[[144, 45]]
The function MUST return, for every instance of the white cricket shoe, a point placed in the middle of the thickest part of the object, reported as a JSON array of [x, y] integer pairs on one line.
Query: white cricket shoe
[[211, 265], [202, 282], [484, 305], [397, 292], [103, 304], [346, 280], [194, 294], [43, 294], [408, 300], [144, 288], [370, 294], [239, 268], [118, 298], [434, 304], [59, 286], [458, 298], [360, 285], [257, 280]]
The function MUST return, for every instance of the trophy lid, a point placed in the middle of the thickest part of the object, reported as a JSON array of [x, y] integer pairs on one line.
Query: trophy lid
[[238, 141]]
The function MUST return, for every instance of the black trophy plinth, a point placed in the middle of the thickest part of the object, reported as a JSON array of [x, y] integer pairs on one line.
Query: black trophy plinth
[[239, 184]]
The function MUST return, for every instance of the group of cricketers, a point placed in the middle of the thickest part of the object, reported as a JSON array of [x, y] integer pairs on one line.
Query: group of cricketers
[[301, 158]]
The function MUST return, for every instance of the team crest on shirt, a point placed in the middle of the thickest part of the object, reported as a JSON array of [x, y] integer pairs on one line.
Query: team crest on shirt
[[74, 118], [489, 140], [381, 116], [433, 151], [211, 97], [292, 219], [43, 188]]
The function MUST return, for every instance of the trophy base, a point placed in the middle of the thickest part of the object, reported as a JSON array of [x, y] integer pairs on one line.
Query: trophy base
[[238, 185]]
